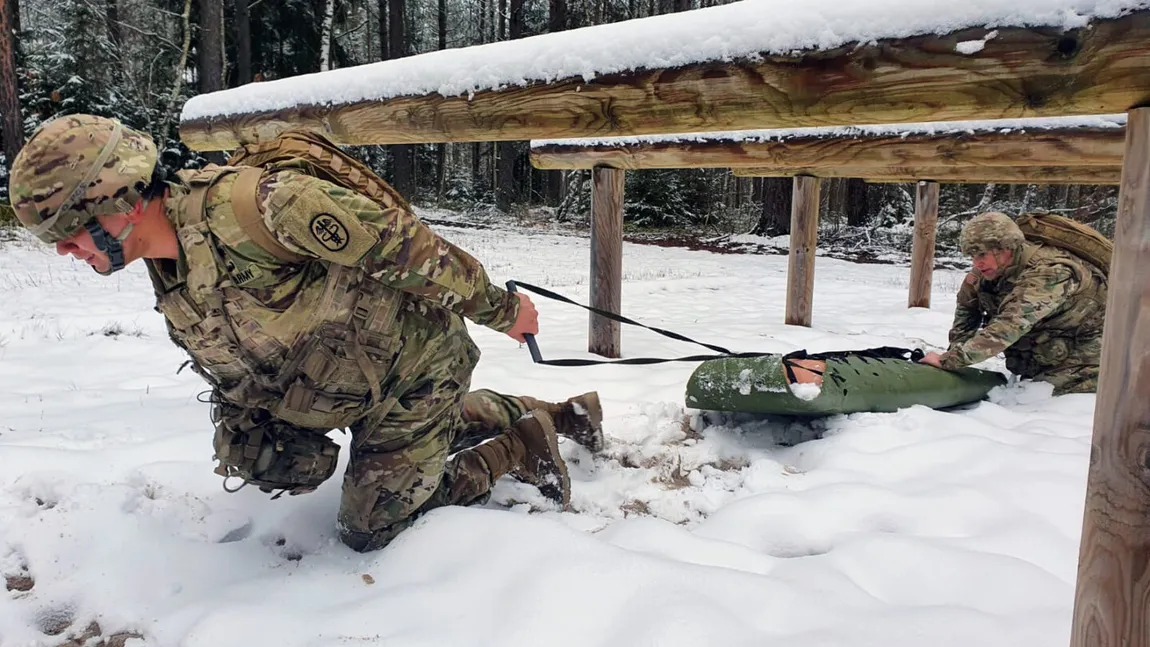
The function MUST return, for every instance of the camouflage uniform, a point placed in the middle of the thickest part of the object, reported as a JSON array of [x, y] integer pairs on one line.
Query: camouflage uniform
[[1045, 311], [364, 330]]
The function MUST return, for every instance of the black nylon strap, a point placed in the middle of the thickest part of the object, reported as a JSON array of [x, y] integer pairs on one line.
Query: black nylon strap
[[107, 243], [883, 352], [537, 357]]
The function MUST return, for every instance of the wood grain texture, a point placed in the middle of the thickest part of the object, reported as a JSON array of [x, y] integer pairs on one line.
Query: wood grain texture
[[922, 251], [1101, 69], [1112, 599], [801, 261], [952, 174], [606, 260], [1056, 147]]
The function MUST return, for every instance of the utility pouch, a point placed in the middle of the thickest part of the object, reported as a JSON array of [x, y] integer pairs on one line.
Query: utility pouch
[[274, 456]]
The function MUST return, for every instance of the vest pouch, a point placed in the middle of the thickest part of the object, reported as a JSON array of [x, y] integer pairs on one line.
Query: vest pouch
[[329, 388], [212, 349], [274, 456]]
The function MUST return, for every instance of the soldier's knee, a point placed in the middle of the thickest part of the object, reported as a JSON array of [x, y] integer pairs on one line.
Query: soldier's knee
[[364, 541]]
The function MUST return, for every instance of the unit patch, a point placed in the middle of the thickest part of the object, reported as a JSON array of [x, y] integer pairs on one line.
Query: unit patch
[[329, 231]]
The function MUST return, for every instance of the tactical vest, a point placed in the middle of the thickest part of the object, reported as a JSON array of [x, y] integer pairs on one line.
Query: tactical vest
[[1080, 316], [319, 362]]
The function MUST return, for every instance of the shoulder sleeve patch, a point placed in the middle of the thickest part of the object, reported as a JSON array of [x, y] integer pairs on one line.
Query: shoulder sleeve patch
[[305, 215]]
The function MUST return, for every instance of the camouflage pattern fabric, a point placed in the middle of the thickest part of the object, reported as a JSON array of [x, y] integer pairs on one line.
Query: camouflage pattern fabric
[[414, 288], [316, 218], [1045, 312], [989, 231], [75, 168]]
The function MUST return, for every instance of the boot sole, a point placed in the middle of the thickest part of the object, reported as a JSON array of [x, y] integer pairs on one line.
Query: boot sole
[[564, 485], [596, 441]]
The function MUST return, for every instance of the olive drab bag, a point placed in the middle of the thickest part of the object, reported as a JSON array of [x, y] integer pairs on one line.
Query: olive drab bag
[[1059, 231]]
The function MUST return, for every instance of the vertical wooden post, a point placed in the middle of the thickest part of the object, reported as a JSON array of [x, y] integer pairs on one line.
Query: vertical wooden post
[[804, 238], [1113, 590], [922, 254], [606, 259]]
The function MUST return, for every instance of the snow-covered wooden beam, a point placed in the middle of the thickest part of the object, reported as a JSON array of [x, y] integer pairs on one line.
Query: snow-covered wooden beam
[[1113, 585], [953, 174], [1082, 141], [742, 66]]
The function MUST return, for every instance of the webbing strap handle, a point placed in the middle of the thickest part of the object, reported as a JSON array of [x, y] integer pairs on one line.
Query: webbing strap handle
[[537, 357]]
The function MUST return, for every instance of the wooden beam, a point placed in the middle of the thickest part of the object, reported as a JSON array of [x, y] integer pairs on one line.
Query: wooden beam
[[953, 175], [1112, 598], [606, 260], [801, 261], [922, 252], [1096, 146], [1100, 68]]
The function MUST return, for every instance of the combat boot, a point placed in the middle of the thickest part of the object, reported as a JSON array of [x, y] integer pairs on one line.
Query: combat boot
[[579, 418], [529, 451]]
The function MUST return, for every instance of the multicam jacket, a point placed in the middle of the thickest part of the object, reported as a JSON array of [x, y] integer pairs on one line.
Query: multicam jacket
[[1042, 307], [313, 342]]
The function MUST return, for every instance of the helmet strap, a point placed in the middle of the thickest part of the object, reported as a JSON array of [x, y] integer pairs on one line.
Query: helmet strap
[[111, 245]]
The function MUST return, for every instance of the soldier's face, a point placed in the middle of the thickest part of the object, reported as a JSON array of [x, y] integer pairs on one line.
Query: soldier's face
[[82, 246], [991, 264]]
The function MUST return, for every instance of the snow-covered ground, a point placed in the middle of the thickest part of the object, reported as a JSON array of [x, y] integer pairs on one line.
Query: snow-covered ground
[[916, 528]]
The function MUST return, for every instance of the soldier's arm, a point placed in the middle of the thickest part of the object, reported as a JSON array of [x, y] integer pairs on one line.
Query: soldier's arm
[[1038, 294], [967, 312], [326, 221]]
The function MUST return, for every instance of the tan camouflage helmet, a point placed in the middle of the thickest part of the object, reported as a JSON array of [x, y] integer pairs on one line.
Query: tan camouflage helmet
[[75, 168], [988, 232]]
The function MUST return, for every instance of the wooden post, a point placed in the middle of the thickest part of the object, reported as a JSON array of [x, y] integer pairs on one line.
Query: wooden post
[[804, 238], [606, 259], [1113, 591], [922, 254]]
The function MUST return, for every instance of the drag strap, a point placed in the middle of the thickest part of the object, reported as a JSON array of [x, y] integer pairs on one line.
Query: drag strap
[[538, 358]]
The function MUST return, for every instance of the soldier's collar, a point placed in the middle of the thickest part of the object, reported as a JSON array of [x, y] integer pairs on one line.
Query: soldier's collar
[[1020, 260]]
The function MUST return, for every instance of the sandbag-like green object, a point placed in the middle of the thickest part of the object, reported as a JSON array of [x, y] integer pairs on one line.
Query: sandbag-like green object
[[876, 380]]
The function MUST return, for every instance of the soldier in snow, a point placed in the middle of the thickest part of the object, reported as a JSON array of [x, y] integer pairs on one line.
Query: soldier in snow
[[309, 307], [1042, 306]]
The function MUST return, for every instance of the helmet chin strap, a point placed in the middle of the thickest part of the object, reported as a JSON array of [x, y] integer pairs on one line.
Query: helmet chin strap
[[111, 245]]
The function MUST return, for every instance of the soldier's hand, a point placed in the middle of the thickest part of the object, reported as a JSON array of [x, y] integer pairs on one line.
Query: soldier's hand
[[527, 323], [932, 358]]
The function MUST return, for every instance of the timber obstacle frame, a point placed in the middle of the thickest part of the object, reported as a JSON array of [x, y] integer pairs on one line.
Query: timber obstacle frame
[[1100, 67]]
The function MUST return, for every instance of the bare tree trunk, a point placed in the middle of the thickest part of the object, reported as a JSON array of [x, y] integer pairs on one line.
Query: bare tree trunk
[[113, 18], [987, 198], [553, 180], [1028, 198], [325, 35], [223, 45], [441, 149], [181, 67], [384, 39], [557, 21], [775, 219], [506, 187], [211, 25], [856, 203], [12, 129], [403, 166], [243, 43]]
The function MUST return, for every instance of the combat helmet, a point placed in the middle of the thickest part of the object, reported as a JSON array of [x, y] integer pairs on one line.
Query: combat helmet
[[990, 231], [75, 168]]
